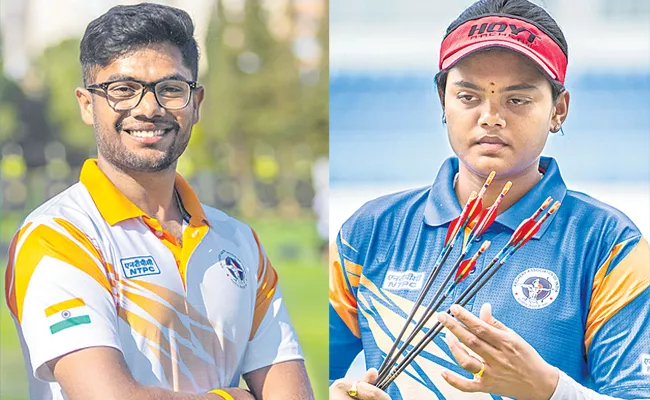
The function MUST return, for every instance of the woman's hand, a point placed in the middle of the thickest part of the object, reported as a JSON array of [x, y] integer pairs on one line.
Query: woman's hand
[[511, 367], [340, 389]]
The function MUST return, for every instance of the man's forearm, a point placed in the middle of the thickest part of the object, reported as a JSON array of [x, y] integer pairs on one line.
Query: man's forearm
[[152, 393], [568, 389]]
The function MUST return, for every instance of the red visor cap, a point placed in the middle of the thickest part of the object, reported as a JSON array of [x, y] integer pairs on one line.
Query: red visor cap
[[511, 33]]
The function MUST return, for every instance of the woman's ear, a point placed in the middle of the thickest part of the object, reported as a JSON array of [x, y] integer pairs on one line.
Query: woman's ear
[[561, 110]]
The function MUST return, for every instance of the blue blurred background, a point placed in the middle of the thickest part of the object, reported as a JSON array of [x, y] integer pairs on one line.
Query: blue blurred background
[[385, 118]]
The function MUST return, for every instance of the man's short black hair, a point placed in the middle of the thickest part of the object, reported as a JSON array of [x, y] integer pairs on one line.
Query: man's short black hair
[[124, 29], [517, 8]]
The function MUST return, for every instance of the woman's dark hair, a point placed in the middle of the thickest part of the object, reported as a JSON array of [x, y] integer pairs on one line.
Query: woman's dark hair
[[517, 8], [123, 29]]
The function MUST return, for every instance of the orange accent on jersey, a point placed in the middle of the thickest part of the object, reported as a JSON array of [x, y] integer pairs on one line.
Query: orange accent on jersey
[[341, 298], [190, 202], [10, 284], [629, 278], [267, 283], [81, 237], [202, 328], [45, 241], [353, 272], [110, 201], [161, 313], [64, 305], [192, 236]]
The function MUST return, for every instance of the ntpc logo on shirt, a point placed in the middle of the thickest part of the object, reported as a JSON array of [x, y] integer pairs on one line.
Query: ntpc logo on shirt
[[407, 280], [139, 266]]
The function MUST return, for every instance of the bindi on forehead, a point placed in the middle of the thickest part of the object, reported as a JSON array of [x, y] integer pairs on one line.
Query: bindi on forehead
[[492, 84]]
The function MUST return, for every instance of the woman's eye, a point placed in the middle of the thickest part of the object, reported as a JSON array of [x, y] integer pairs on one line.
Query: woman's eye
[[519, 102], [466, 97]]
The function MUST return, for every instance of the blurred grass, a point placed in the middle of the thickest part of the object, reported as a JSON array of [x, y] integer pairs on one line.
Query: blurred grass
[[292, 247]]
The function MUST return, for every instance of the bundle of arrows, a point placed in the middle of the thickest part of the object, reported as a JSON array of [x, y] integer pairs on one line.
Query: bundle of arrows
[[475, 219]]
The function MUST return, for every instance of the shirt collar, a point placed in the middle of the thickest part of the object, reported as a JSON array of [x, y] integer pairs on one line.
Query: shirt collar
[[442, 205], [115, 207]]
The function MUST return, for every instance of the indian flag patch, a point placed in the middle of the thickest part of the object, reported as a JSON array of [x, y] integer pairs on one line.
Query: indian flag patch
[[67, 314]]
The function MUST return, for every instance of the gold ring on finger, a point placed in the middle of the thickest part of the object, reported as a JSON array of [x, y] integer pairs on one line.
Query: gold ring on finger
[[479, 374], [353, 392]]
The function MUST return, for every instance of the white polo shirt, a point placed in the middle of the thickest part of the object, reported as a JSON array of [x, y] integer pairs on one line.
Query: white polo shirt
[[89, 268]]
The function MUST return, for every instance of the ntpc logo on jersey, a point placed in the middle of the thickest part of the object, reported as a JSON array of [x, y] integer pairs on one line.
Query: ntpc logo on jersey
[[407, 280], [139, 266]]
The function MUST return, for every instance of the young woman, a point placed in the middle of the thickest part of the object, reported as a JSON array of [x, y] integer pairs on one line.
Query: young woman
[[584, 334]]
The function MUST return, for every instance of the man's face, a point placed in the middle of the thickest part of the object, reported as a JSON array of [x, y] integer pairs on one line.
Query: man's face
[[147, 138], [499, 110]]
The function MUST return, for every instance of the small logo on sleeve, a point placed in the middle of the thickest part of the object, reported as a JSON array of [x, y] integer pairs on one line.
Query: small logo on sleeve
[[139, 266], [66, 314], [407, 280], [645, 364], [233, 269]]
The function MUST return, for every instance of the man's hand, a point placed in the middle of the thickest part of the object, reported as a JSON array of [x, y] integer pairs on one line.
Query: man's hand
[[100, 373], [512, 366], [365, 389]]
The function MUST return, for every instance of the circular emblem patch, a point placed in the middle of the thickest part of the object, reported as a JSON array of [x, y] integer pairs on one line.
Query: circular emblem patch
[[65, 314], [234, 269], [536, 288]]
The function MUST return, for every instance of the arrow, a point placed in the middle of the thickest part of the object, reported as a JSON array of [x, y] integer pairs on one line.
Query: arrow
[[523, 234], [471, 210], [450, 240]]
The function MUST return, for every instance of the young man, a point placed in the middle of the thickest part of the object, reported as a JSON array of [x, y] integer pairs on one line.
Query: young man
[[503, 64], [125, 286]]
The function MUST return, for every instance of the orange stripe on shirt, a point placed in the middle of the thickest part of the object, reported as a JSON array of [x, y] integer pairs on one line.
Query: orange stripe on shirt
[[45, 241], [624, 282], [264, 296], [341, 298], [267, 283], [10, 284]]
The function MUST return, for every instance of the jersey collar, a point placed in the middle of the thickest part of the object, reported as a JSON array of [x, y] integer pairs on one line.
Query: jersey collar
[[442, 205], [115, 207]]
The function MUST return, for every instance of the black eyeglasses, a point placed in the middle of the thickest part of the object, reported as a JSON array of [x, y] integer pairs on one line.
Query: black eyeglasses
[[124, 95]]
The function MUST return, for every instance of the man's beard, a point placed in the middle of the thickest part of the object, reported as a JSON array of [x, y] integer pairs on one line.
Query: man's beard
[[124, 159]]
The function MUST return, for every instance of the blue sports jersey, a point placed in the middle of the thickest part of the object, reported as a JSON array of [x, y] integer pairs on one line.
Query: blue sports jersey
[[577, 292]]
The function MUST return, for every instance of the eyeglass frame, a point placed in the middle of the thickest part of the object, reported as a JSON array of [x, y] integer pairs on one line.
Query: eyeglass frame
[[151, 86]]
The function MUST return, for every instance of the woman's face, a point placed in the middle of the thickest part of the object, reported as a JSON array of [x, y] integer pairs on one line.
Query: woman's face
[[499, 111]]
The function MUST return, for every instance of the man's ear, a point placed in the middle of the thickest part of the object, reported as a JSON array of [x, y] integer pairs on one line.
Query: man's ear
[[84, 98], [441, 96], [197, 99]]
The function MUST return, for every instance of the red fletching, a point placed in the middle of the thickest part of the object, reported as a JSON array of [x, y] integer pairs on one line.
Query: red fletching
[[521, 230], [486, 219], [476, 211], [451, 229], [528, 235], [464, 269], [455, 224], [489, 214]]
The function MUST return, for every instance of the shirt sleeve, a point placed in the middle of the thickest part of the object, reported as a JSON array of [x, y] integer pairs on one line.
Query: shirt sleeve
[[345, 337], [59, 293], [617, 336], [568, 389], [273, 338]]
